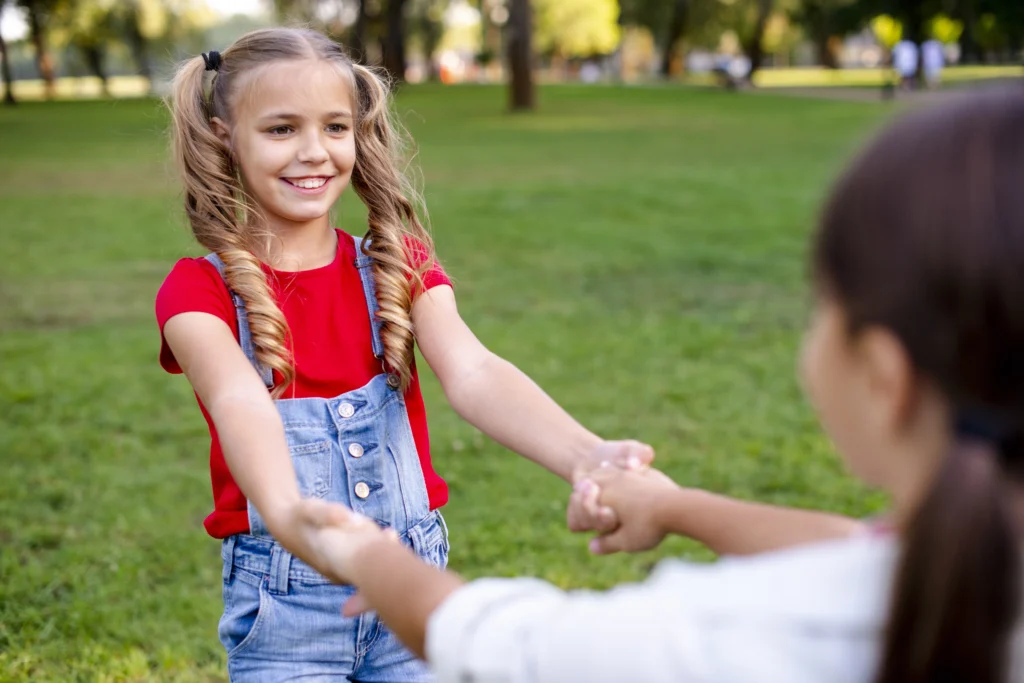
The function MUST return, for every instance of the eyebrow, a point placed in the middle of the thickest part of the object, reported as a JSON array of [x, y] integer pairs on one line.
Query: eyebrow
[[288, 116]]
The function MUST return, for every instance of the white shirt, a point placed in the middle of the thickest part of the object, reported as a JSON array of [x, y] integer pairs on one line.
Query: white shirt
[[803, 615], [932, 55], [904, 58]]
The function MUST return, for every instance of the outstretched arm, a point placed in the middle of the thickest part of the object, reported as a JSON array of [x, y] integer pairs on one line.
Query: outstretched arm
[[500, 400], [649, 506], [248, 426]]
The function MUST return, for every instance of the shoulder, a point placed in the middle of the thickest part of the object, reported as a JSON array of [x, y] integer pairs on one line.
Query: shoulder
[[421, 255], [191, 269], [193, 284], [418, 256]]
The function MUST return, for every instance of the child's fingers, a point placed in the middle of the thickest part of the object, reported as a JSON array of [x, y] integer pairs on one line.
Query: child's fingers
[[599, 518], [355, 606], [577, 514], [572, 512], [603, 476], [585, 512], [320, 513], [638, 454], [606, 544], [609, 521]]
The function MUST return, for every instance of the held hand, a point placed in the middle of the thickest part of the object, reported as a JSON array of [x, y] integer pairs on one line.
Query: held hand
[[584, 513], [331, 535], [635, 496]]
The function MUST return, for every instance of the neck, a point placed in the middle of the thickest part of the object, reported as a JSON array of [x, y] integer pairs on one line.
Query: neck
[[300, 246], [916, 463]]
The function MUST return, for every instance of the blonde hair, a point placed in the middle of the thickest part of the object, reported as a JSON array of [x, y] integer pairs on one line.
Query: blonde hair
[[228, 222]]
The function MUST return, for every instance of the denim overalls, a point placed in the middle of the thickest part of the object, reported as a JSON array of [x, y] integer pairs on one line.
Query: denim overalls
[[282, 620]]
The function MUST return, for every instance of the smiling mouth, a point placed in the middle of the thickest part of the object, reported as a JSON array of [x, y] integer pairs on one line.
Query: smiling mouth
[[311, 183]]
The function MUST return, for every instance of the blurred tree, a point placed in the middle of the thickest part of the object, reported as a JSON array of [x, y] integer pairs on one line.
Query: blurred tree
[[428, 25], [139, 21], [393, 42], [38, 13], [888, 31], [357, 36], [990, 34], [519, 29], [945, 29], [89, 27], [1009, 18], [576, 28], [754, 45], [966, 12], [667, 20], [5, 66], [826, 23], [676, 30], [297, 11]]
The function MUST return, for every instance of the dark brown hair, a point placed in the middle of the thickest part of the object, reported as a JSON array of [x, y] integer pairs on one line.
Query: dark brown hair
[[924, 236]]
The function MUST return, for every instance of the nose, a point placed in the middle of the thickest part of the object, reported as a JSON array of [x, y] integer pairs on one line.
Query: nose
[[312, 150]]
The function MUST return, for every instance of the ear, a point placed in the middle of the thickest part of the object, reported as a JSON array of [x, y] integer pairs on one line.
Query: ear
[[890, 378], [221, 130]]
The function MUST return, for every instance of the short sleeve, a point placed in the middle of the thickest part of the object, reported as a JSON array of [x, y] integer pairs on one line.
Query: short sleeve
[[419, 254], [193, 285]]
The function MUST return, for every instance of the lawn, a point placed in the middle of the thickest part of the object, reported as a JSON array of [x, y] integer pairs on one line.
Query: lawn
[[639, 252]]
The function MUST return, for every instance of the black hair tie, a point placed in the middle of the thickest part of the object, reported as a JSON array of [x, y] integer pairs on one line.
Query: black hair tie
[[212, 60], [977, 424]]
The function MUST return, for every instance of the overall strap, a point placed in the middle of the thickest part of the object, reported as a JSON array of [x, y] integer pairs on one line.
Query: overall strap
[[364, 265], [244, 335]]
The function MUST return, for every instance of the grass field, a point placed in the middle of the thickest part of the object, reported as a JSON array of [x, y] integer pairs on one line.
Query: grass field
[[639, 252]]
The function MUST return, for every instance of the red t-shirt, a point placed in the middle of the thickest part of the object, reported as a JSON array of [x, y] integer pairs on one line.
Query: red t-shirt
[[333, 353]]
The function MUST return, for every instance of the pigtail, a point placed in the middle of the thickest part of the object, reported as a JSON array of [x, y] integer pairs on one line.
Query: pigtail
[[395, 230], [220, 215], [957, 590]]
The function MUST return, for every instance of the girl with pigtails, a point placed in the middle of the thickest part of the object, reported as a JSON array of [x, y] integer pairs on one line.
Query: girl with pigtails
[[298, 340]]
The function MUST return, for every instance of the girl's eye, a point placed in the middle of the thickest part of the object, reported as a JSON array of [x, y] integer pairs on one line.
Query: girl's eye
[[280, 130], [336, 128]]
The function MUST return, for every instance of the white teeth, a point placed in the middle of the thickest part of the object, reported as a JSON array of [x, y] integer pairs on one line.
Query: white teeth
[[309, 183]]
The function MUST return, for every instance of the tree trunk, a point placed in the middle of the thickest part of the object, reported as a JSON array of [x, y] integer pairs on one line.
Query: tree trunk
[[676, 31], [912, 16], [5, 67], [522, 95], [43, 61], [826, 55], [138, 44], [357, 41], [969, 52], [93, 54], [817, 17], [755, 49], [432, 33], [394, 40]]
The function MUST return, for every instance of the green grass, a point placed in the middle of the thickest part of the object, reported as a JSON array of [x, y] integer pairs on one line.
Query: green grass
[[639, 252]]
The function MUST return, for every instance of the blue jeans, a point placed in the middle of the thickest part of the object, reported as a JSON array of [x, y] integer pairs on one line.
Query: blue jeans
[[282, 620]]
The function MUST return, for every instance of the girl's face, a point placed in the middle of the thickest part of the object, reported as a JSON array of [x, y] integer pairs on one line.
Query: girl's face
[[889, 424], [293, 140], [833, 382]]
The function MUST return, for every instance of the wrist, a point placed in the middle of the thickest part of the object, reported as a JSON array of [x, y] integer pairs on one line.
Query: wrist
[[370, 555], [672, 507], [583, 456], [280, 517]]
